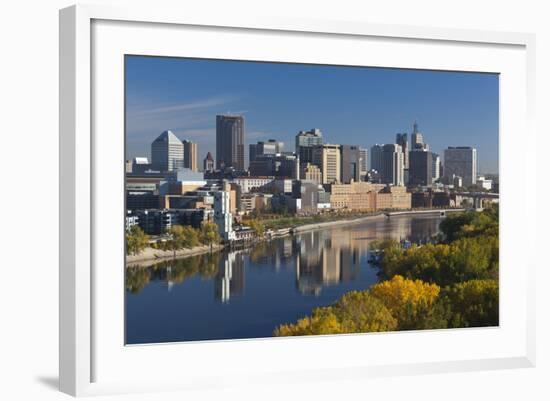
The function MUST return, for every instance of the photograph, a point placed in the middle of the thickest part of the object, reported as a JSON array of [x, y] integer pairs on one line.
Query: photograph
[[271, 199], [275, 200]]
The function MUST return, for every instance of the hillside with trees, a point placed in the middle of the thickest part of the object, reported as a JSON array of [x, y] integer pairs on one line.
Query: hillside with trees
[[452, 283]]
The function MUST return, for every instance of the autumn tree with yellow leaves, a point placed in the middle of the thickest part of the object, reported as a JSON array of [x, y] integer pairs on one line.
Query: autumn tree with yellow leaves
[[396, 304]]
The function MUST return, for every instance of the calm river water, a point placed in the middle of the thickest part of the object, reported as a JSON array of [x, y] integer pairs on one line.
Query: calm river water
[[246, 294]]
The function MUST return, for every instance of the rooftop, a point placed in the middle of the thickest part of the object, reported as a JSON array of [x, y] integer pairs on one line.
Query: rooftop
[[167, 136]]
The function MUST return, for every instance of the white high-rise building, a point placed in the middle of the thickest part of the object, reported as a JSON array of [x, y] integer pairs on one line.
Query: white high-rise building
[[167, 152], [461, 161], [222, 213], [436, 166]]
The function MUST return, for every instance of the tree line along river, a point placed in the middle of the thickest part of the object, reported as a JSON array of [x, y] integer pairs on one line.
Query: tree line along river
[[247, 293]]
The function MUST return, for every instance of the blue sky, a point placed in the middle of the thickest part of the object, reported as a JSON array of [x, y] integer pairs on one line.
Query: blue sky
[[351, 105]]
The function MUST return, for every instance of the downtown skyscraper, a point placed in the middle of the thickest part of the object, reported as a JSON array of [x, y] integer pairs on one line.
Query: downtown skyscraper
[[401, 140], [167, 152], [305, 141], [420, 167], [271, 147], [364, 164], [417, 139], [376, 157], [190, 155], [392, 168], [350, 163], [461, 161], [230, 142]]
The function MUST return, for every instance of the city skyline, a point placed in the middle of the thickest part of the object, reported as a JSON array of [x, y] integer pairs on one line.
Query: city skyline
[[356, 106]]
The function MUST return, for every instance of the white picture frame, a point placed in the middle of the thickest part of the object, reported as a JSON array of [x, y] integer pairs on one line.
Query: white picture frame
[[88, 362]]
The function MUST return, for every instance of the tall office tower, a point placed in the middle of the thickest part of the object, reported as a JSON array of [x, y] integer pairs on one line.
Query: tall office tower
[[364, 164], [392, 171], [305, 141], [376, 157], [350, 163], [271, 147], [417, 140], [401, 140], [436, 166], [327, 158], [420, 167], [190, 155], [222, 212], [208, 163], [230, 142], [461, 161], [167, 152]]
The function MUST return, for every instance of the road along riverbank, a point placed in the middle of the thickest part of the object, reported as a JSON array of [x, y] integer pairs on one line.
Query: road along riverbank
[[335, 223]]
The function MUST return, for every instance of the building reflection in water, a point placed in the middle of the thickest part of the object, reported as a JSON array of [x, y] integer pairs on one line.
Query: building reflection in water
[[229, 280], [326, 258], [320, 258]]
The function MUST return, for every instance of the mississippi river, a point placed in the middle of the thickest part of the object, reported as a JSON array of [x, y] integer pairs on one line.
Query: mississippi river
[[247, 293]]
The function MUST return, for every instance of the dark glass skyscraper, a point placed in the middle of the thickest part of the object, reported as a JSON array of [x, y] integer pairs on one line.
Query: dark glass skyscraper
[[420, 167], [230, 142], [376, 157], [461, 161], [271, 147], [350, 161], [305, 141]]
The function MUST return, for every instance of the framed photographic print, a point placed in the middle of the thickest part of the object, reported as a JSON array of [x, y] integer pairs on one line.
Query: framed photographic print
[[296, 197]]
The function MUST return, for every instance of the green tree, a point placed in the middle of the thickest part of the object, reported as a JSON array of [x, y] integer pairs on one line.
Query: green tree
[[361, 312], [209, 234], [452, 225], [182, 237], [473, 303], [257, 226], [136, 240], [471, 224], [470, 250]]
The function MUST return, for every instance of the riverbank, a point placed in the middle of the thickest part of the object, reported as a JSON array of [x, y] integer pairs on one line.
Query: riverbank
[[335, 223], [357, 220], [149, 255]]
